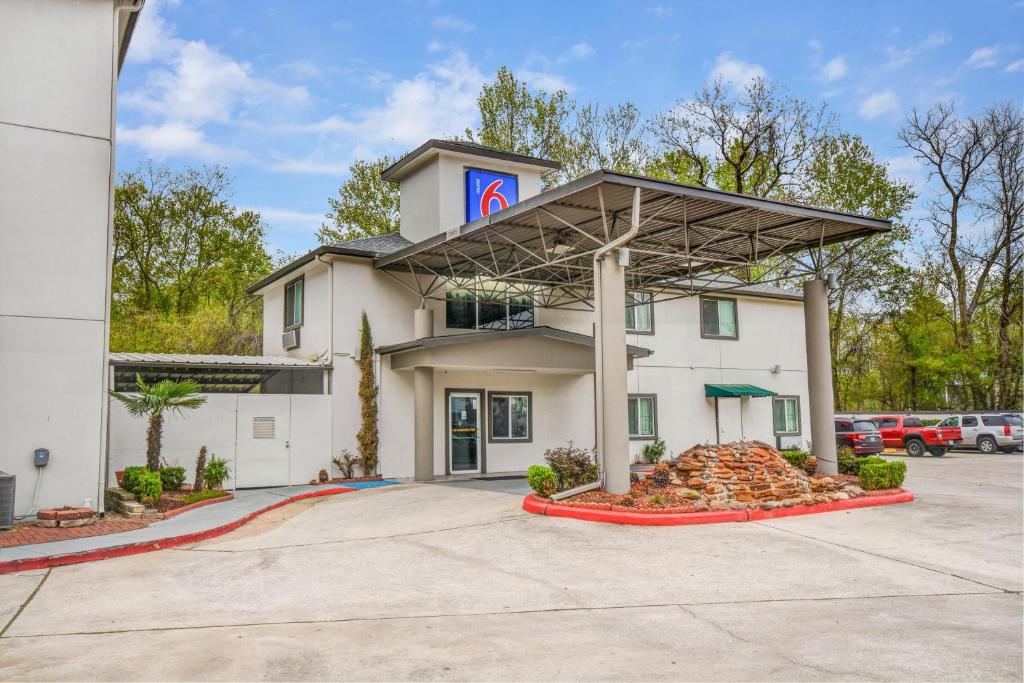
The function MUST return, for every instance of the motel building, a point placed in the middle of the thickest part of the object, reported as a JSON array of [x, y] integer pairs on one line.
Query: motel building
[[507, 319]]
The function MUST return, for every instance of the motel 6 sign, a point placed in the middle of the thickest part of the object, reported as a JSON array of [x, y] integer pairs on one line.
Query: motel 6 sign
[[488, 192]]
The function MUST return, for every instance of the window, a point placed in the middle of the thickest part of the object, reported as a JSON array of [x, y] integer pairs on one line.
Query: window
[[488, 306], [510, 416], [718, 318], [864, 426], [844, 426], [887, 423], [993, 421], [970, 421], [293, 304], [786, 410], [951, 421], [640, 312], [912, 422], [1014, 420], [643, 419]]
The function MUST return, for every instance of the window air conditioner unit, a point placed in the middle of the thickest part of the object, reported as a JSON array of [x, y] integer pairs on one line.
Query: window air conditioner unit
[[6, 500], [290, 339]]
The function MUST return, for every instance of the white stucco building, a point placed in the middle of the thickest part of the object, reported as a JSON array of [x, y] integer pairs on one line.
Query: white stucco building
[[59, 63], [484, 322]]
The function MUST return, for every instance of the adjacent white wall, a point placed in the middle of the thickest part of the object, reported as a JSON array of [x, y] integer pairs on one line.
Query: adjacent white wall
[[56, 60]]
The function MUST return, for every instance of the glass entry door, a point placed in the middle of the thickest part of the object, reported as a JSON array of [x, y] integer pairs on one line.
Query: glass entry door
[[464, 432]]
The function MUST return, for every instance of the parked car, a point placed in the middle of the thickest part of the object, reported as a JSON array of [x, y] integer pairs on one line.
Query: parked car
[[988, 432], [899, 431], [860, 435]]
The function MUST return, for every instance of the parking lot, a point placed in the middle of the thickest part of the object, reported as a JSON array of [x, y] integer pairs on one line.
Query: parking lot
[[455, 582]]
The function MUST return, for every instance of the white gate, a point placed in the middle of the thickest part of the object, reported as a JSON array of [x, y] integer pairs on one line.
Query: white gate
[[263, 429]]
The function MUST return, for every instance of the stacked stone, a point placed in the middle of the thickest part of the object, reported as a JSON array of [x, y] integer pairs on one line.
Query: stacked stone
[[751, 474]]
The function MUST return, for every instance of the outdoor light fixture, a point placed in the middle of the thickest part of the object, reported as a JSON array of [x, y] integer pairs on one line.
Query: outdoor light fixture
[[776, 369], [833, 280], [624, 257]]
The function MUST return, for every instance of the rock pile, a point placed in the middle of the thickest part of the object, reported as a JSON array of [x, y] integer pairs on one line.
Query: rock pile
[[752, 474]]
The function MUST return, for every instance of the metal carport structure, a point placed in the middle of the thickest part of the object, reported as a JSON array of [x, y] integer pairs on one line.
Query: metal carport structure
[[582, 245]]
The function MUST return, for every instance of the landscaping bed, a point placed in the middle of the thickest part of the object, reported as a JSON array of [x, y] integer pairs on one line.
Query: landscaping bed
[[170, 501]]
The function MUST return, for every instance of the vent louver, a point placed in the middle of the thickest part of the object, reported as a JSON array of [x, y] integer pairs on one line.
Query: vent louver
[[263, 428]]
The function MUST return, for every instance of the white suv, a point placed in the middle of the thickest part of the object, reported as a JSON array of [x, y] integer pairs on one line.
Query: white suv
[[988, 432]]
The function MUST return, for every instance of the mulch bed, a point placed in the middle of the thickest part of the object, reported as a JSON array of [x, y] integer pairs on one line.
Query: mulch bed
[[645, 498], [845, 478], [27, 533], [172, 500], [337, 480]]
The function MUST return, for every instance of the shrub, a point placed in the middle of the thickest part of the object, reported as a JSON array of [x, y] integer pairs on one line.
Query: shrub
[[322, 476], [542, 480], [795, 457], [654, 451], [572, 466], [150, 486], [202, 495], [216, 473], [171, 478], [131, 478], [882, 475], [661, 475], [847, 461], [346, 463], [656, 499]]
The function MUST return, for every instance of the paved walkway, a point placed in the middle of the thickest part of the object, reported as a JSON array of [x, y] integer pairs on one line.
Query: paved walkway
[[455, 582], [199, 520]]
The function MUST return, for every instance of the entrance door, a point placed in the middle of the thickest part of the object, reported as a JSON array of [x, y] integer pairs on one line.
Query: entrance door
[[464, 432], [730, 419]]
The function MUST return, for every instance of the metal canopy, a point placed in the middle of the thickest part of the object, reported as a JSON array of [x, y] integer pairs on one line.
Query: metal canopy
[[735, 391], [543, 246]]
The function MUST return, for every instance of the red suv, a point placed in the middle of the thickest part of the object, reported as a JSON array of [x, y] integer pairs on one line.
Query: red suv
[[860, 435]]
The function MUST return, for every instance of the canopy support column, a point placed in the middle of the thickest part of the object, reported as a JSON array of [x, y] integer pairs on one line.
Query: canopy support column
[[819, 376], [614, 406]]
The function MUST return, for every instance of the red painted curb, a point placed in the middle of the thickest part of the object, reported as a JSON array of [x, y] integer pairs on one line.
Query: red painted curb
[[28, 564], [541, 506], [202, 503]]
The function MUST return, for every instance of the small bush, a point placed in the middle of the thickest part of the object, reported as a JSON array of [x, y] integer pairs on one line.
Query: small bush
[[172, 478], [346, 463], [216, 473], [847, 461], [654, 451], [131, 478], [202, 495], [542, 480], [150, 487], [795, 458], [572, 466], [656, 499], [875, 476], [661, 475]]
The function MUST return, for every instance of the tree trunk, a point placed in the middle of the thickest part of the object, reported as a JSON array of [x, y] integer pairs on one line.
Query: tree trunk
[[154, 435]]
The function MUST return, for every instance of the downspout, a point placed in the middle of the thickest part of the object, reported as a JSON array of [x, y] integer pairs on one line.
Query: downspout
[[330, 343], [101, 484], [634, 228]]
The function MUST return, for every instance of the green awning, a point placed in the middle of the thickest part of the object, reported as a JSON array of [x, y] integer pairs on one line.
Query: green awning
[[734, 391]]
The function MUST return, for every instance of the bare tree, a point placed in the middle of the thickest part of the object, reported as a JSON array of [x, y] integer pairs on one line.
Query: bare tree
[[956, 151], [754, 142], [1003, 201], [612, 138]]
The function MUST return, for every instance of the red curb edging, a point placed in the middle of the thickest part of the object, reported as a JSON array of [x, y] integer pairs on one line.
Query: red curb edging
[[202, 503], [28, 564], [540, 506]]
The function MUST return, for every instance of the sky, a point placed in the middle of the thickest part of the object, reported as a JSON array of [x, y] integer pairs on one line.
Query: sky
[[286, 95]]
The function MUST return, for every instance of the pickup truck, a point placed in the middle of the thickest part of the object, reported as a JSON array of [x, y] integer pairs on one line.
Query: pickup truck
[[899, 431]]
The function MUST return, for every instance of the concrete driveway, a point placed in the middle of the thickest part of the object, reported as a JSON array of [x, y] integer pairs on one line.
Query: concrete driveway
[[453, 581]]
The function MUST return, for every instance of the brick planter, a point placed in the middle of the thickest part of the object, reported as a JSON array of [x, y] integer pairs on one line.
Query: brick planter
[[65, 517]]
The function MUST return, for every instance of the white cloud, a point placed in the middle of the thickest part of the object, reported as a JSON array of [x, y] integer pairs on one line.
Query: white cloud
[[735, 71], [301, 221], [309, 166], [903, 165], [899, 57], [1014, 67], [934, 40], [544, 80], [983, 57], [878, 103], [815, 44], [661, 11], [175, 139], [834, 69], [580, 51], [450, 22], [302, 69]]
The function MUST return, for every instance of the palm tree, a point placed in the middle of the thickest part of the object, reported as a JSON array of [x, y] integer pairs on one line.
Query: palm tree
[[152, 400]]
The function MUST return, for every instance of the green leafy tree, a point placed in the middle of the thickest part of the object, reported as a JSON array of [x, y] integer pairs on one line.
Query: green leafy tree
[[183, 256], [368, 436], [366, 205], [152, 401]]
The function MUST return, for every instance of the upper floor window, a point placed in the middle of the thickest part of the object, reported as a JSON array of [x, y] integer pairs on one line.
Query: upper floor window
[[718, 318], [488, 306], [640, 312], [293, 299]]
